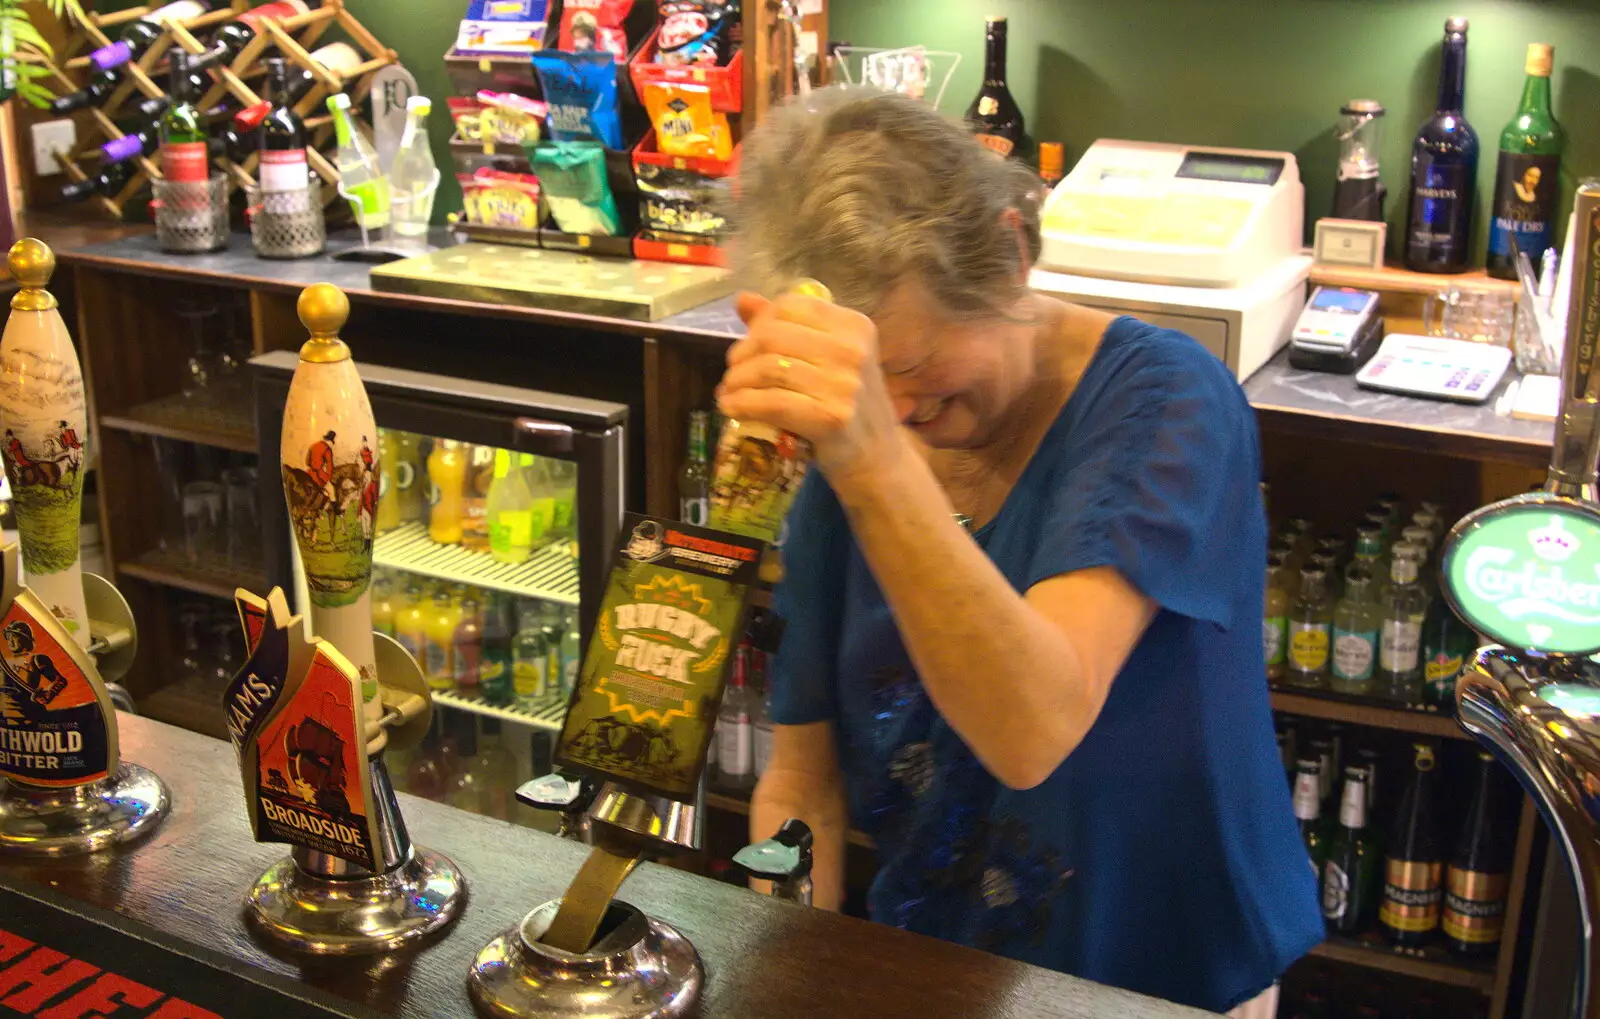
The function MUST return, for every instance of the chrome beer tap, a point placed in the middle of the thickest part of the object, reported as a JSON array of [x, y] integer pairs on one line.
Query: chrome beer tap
[[1526, 571]]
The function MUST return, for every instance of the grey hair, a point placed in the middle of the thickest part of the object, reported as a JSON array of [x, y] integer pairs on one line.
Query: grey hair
[[862, 190]]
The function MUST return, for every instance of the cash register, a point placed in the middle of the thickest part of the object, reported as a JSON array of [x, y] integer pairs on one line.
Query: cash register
[[1202, 239]]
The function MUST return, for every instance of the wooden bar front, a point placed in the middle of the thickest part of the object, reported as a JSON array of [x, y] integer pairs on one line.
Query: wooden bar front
[[764, 959]]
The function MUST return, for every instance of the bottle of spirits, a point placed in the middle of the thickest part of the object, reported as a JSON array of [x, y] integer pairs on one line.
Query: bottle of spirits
[[281, 138], [694, 480], [1399, 675], [1355, 633], [1444, 168], [1310, 621], [1414, 865], [735, 739], [994, 116], [1527, 180], [1347, 876], [184, 152], [1479, 873], [1308, 811]]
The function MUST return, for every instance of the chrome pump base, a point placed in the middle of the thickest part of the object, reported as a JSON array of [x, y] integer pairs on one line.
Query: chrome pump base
[[358, 914], [37, 821], [638, 968]]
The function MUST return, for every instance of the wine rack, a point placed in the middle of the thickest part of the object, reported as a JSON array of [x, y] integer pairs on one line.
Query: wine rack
[[292, 38]]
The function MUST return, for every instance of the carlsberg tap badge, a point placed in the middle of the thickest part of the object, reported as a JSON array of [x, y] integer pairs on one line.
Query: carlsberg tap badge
[[1529, 575]]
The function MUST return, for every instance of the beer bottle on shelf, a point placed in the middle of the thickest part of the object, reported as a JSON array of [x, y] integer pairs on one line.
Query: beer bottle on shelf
[[1399, 675], [694, 480], [281, 138], [1310, 621], [994, 116], [1308, 811], [1414, 865], [1352, 861], [1444, 168], [184, 152], [467, 645], [142, 32], [1355, 633], [1479, 872], [1527, 184], [494, 659], [1447, 643]]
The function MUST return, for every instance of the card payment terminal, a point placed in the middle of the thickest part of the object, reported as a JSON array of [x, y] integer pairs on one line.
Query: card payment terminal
[[1337, 331]]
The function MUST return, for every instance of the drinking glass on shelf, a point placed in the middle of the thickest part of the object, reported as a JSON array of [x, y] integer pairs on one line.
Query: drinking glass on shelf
[[204, 365], [192, 618], [169, 456], [226, 643], [242, 531], [1480, 316], [202, 520]]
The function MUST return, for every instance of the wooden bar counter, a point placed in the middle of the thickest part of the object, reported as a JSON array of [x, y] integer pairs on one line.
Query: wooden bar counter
[[181, 891]]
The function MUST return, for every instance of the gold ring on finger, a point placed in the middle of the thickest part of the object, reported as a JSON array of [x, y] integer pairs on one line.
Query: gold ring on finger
[[784, 364]]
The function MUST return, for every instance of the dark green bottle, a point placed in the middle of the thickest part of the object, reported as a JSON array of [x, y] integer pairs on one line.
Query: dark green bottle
[[1414, 864], [1447, 645], [1308, 811], [1527, 186], [1349, 877], [184, 150], [494, 660]]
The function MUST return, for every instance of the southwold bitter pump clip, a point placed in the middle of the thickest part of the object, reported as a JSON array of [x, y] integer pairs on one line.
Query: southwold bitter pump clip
[[311, 719], [65, 788], [1526, 572]]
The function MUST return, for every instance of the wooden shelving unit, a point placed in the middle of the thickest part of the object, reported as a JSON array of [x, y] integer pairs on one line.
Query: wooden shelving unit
[[175, 569], [1434, 964], [1356, 711], [223, 425]]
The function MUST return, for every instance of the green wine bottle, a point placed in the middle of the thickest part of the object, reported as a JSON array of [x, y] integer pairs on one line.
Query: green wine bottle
[[1527, 184]]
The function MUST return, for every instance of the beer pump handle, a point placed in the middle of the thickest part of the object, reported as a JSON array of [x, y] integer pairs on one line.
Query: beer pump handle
[[784, 859], [1577, 439], [571, 796]]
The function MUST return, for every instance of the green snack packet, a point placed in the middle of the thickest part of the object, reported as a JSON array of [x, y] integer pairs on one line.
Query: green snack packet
[[673, 611], [573, 175]]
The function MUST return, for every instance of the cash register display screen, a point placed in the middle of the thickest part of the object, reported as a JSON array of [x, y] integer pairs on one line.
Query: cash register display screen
[[1341, 301], [1231, 169]]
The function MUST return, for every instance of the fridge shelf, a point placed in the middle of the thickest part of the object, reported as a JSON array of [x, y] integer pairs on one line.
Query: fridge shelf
[[545, 713], [550, 574]]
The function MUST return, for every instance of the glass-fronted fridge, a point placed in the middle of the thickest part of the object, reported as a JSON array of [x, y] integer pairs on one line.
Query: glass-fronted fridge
[[495, 511]]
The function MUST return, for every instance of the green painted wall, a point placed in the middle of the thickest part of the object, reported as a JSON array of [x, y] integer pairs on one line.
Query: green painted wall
[[1264, 74]]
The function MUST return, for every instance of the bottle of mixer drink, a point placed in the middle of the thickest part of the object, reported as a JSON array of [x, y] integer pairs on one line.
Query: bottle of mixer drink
[[759, 468]]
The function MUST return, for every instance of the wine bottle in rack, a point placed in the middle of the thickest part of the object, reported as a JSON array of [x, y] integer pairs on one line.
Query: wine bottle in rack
[[92, 94], [281, 138], [144, 31], [237, 34], [107, 182]]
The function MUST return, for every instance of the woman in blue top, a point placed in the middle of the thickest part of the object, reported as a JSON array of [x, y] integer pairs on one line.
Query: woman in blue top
[[1024, 587]]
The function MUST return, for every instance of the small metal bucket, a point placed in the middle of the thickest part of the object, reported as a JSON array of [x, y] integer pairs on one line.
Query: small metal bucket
[[287, 224], [191, 216]]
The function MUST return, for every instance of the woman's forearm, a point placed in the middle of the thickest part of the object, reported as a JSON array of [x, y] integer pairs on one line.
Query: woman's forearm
[[785, 793], [1007, 679]]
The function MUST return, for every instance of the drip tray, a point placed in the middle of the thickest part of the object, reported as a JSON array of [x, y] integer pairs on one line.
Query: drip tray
[[555, 280]]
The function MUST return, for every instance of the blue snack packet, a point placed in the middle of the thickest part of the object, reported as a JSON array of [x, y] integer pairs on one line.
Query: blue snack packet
[[581, 91]]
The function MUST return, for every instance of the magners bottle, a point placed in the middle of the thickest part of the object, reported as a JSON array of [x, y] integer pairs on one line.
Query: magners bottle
[[1414, 867], [1347, 876], [1475, 887]]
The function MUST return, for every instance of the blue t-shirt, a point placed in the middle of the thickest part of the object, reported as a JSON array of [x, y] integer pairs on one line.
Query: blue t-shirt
[[1162, 855]]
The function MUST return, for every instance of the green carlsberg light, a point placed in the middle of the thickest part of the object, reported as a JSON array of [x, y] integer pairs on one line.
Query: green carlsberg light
[[1526, 572]]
